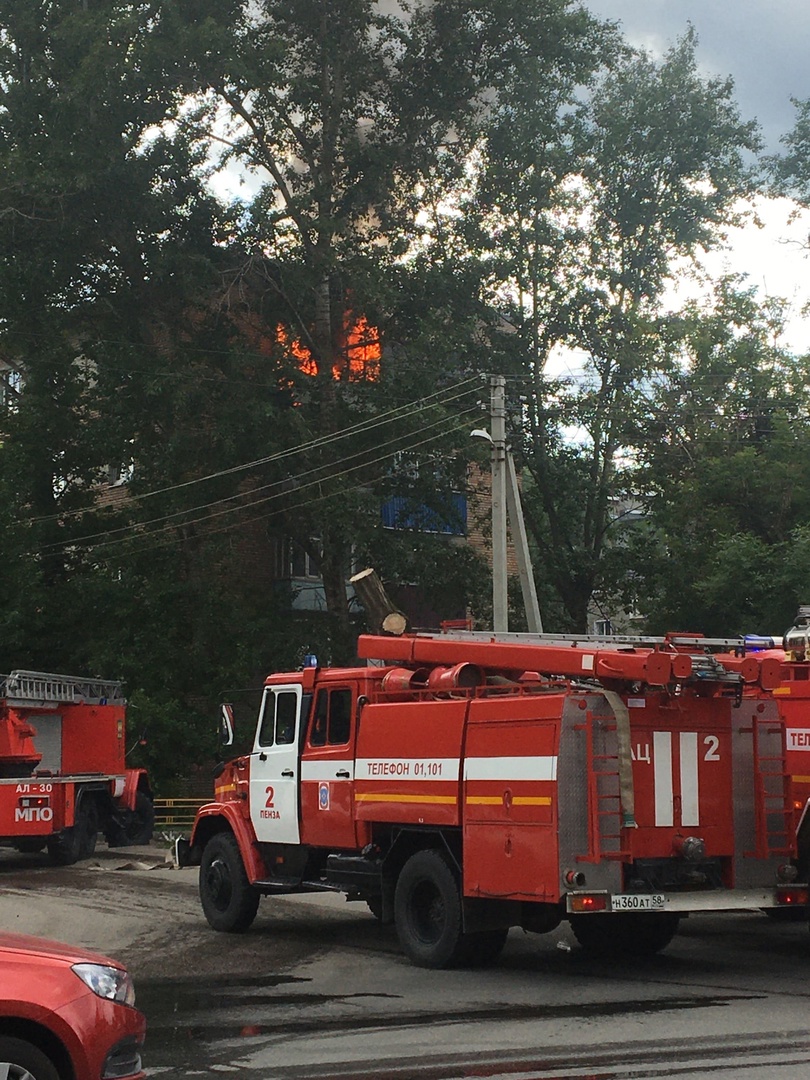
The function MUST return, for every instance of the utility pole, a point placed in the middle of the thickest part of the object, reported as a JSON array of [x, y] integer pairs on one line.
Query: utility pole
[[500, 602], [506, 505], [521, 542]]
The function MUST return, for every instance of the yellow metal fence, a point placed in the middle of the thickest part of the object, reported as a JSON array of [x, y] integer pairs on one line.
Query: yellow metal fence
[[176, 814]]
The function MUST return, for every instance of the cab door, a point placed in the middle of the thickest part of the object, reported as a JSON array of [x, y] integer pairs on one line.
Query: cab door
[[275, 768], [327, 770]]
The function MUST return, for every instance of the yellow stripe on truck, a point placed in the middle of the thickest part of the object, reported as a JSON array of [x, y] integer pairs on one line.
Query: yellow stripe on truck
[[407, 798], [517, 800]]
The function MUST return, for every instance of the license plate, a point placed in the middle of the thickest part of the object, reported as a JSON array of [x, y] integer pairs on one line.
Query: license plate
[[638, 902]]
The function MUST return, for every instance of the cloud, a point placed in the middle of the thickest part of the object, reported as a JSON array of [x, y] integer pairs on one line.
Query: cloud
[[762, 44]]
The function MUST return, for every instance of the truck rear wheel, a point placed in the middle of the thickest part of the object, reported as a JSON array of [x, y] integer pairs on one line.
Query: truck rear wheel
[[78, 841], [427, 911], [229, 901], [634, 934]]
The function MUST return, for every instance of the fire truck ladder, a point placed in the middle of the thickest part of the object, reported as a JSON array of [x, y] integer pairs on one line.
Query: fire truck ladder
[[604, 798], [773, 803], [605, 641], [39, 688]]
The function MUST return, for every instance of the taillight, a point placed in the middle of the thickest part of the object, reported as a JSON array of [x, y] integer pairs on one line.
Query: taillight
[[588, 902], [792, 896]]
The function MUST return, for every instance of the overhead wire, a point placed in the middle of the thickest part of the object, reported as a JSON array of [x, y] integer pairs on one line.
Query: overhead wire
[[323, 440], [169, 534], [137, 527]]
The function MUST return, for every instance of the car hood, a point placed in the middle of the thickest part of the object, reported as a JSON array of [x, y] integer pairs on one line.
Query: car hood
[[56, 950]]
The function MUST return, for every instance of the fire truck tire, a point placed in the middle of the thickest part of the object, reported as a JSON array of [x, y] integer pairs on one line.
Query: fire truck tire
[[228, 899], [427, 911], [21, 1060], [637, 934], [141, 825], [89, 829], [78, 841]]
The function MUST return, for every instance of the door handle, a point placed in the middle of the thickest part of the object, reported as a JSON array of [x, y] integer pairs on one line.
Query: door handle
[[343, 774], [288, 773]]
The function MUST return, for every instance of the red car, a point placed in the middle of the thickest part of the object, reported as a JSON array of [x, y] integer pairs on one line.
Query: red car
[[66, 1014]]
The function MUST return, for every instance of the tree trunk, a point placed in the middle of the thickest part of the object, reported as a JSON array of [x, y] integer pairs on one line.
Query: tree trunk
[[383, 615]]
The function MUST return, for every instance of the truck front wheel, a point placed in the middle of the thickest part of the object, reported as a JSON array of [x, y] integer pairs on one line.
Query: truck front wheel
[[141, 824], [229, 901], [427, 911]]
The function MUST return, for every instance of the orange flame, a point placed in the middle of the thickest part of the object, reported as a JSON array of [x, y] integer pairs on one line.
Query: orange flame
[[361, 351]]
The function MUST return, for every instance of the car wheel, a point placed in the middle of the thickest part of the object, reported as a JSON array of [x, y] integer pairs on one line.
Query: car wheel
[[20, 1060], [229, 901], [141, 825], [427, 911]]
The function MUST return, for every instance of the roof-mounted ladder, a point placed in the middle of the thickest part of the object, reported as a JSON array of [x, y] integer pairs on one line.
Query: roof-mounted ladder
[[39, 688]]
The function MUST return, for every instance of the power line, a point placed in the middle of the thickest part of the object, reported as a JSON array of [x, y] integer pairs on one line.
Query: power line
[[323, 440], [329, 477]]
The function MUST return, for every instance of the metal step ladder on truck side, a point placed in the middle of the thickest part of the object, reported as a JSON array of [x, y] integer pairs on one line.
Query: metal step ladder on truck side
[[63, 773], [464, 784]]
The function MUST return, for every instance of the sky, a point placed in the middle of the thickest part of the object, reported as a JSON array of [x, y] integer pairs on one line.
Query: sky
[[763, 45]]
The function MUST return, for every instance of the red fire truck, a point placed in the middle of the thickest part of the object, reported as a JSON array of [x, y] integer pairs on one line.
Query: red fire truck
[[463, 784], [63, 776]]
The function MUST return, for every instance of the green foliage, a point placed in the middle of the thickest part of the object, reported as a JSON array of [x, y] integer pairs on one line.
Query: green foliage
[[724, 469], [588, 209], [790, 172]]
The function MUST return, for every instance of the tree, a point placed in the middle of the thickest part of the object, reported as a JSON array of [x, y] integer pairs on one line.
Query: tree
[[600, 214], [725, 474], [353, 122], [111, 257]]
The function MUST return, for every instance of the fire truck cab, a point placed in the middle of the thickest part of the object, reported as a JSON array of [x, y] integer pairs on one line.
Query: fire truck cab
[[461, 785]]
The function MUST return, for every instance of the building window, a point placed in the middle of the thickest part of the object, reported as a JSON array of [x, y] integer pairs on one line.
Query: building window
[[296, 561]]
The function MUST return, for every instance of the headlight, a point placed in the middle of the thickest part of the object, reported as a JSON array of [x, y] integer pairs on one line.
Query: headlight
[[108, 982]]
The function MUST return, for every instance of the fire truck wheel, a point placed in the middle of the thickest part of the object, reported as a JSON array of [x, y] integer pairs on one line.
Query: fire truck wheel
[[20, 1060], [89, 829], [637, 934], [142, 823], [228, 899], [74, 843], [427, 911]]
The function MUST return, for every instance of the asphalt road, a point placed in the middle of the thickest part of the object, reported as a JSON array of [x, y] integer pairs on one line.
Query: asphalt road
[[318, 989]]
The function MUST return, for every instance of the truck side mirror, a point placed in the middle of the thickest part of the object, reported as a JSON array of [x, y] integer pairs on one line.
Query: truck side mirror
[[226, 725]]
